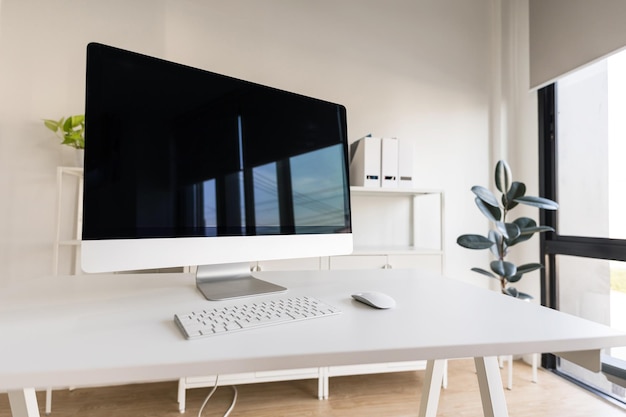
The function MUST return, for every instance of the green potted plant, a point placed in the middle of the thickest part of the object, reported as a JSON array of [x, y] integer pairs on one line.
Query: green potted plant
[[505, 234], [70, 130]]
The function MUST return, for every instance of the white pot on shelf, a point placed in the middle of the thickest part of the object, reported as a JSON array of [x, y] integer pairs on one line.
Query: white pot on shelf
[[79, 156], [71, 157]]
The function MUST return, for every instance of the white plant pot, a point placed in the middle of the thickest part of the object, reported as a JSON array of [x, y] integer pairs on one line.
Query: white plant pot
[[79, 156]]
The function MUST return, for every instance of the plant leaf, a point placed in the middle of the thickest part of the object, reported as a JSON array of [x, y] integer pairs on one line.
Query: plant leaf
[[513, 231], [484, 272], [522, 269], [497, 247], [503, 176], [503, 268], [501, 228], [525, 224], [517, 294], [78, 119], [485, 195], [517, 190], [74, 136], [492, 213], [67, 125], [511, 291], [539, 202], [474, 242], [74, 123], [538, 229], [51, 124]]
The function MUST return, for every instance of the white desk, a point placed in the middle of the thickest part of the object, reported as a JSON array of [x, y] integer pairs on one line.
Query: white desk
[[108, 329]]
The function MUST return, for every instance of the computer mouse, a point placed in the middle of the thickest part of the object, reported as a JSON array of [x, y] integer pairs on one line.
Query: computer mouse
[[375, 299]]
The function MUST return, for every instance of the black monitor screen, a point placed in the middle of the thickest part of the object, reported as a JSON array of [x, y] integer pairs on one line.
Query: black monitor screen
[[174, 151]]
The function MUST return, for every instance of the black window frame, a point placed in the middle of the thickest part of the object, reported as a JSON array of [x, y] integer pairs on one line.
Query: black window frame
[[552, 243]]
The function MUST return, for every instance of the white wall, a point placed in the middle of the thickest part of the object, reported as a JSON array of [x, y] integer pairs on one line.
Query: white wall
[[417, 69], [521, 147]]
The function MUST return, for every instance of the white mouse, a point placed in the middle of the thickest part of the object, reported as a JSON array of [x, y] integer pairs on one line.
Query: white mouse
[[375, 299]]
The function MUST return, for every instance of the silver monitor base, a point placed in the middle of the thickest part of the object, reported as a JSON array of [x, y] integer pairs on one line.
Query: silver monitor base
[[223, 282]]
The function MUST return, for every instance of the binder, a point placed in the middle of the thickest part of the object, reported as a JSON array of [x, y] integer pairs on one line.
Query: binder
[[405, 163], [365, 158], [389, 163]]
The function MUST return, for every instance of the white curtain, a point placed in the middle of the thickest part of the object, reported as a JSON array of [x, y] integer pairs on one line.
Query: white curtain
[[567, 34]]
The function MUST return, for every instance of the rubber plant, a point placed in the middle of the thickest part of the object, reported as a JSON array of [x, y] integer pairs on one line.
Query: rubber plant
[[70, 130], [504, 234]]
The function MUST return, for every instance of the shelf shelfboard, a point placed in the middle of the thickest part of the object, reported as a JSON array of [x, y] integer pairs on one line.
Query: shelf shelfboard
[[76, 171], [395, 250], [391, 192]]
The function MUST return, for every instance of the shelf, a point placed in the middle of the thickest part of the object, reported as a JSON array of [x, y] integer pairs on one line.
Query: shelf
[[76, 171], [392, 192], [399, 250], [69, 219], [397, 221]]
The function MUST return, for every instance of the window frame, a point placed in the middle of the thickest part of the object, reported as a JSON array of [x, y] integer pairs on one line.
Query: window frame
[[552, 244]]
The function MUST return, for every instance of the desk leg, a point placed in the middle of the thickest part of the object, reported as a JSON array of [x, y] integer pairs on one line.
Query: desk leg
[[323, 383], [491, 390], [23, 403], [432, 385]]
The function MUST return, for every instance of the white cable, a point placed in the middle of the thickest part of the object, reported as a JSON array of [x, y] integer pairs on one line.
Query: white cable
[[206, 400], [232, 404]]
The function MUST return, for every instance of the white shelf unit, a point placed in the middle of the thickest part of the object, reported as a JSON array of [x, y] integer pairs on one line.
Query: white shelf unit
[[395, 228], [69, 219], [392, 228], [68, 232]]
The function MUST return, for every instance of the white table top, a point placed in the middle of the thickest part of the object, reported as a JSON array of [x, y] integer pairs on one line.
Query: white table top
[[105, 329]]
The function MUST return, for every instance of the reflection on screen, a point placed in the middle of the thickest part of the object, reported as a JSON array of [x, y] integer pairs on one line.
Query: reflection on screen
[[301, 194]]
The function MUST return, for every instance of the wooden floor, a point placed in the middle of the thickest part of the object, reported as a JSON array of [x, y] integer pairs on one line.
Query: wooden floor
[[396, 394]]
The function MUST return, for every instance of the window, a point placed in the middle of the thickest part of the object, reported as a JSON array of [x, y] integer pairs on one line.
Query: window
[[582, 160]]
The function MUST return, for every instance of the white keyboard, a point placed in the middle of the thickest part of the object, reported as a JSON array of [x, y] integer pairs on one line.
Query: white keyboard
[[250, 315]]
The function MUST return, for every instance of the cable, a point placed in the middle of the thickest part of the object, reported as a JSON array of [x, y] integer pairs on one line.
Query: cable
[[234, 401], [208, 397]]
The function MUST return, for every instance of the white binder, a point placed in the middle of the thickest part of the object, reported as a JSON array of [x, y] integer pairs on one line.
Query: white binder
[[365, 155], [405, 163], [389, 163]]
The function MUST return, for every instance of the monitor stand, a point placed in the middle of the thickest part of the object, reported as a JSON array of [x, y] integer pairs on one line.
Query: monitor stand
[[225, 281]]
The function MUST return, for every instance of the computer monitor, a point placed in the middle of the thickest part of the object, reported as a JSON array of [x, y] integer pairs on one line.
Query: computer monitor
[[186, 167]]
